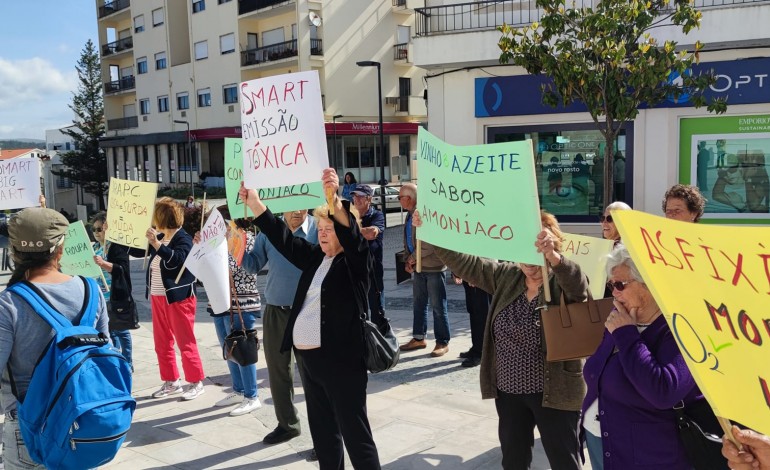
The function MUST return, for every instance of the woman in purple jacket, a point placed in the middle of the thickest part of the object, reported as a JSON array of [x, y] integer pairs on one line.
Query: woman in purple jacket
[[634, 379]]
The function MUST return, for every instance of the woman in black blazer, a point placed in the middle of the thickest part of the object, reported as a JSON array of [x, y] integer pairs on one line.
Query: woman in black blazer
[[325, 325]]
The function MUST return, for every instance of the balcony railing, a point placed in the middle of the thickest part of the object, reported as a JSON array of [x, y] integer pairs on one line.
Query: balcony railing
[[125, 83], [123, 123], [316, 47], [117, 46], [111, 7], [489, 14], [399, 3], [270, 53], [401, 103], [401, 52], [247, 6]]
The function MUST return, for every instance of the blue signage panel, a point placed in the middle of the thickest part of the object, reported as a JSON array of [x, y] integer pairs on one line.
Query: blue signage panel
[[743, 81]]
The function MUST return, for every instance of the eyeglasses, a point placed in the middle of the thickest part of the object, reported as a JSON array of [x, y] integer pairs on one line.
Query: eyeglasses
[[401, 197], [618, 285], [97, 229], [606, 218]]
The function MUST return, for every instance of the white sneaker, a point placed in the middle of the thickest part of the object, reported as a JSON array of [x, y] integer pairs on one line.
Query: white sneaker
[[168, 388], [194, 390], [230, 400], [247, 406]]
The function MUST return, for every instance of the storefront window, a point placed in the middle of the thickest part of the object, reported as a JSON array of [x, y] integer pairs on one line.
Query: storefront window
[[361, 156], [569, 167]]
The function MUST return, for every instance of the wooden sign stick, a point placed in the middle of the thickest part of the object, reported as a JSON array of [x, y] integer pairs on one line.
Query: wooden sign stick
[[418, 256], [330, 200], [146, 250], [727, 427]]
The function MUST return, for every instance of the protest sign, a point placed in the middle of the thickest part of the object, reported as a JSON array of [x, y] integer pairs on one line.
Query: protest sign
[[208, 262], [278, 199], [712, 284], [590, 253], [20, 183], [129, 211], [78, 256], [284, 138], [479, 199]]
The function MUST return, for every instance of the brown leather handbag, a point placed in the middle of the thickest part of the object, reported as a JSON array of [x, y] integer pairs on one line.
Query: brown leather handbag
[[574, 331]]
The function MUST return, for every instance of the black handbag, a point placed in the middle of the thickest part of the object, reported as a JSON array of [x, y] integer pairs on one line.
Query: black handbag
[[699, 432], [380, 345], [240, 346], [123, 315]]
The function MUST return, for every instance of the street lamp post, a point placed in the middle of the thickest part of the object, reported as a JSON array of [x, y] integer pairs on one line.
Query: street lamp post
[[334, 124], [383, 181], [189, 156]]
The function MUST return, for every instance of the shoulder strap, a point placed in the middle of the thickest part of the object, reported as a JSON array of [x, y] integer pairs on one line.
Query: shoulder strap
[[42, 306]]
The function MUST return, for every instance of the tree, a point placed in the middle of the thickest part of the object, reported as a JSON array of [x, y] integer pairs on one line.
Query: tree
[[605, 57], [86, 166]]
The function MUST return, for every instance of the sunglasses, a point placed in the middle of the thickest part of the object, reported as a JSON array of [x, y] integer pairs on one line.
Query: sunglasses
[[401, 197], [97, 229], [606, 218], [618, 285]]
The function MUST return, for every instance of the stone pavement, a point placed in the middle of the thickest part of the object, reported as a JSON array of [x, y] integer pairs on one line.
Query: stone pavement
[[426, 413]]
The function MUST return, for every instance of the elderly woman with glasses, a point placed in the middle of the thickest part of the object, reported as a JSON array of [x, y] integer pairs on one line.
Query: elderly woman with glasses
[[635, 378], [609, 230]]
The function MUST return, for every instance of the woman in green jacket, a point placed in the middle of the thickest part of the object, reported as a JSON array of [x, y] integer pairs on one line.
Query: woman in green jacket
[[528, 391]]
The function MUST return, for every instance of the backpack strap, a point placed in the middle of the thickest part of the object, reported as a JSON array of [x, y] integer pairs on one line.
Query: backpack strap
[[45, 310]]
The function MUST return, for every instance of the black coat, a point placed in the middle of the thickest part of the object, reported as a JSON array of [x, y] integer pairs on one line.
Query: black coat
[[343, 292], [120, 285], [172, 257]]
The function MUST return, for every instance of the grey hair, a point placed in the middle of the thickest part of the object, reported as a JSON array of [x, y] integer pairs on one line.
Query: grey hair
[[618, 206], [620, 257]]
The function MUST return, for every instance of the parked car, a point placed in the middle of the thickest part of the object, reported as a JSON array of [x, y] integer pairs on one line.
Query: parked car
[[391, 197]]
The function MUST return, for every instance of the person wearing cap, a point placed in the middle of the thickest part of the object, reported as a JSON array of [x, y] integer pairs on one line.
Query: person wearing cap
[[37, 240], [373, 229]]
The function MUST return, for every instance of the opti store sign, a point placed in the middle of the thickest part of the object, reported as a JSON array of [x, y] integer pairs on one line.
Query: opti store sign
[[744, 81]]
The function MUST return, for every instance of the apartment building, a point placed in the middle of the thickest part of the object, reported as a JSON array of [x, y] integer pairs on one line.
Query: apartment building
[[61, 192], [473, 100], [173, 66]]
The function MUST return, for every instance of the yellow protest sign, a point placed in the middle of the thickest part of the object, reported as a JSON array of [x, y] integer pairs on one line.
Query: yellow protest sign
[[713, 285], [129, 211], [590, 253]]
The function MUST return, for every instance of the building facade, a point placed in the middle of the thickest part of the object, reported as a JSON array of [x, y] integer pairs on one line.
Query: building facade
[[61, 192], [171, 67], [473, 99]]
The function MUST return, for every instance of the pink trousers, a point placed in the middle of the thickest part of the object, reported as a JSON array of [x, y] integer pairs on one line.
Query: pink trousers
[[176, 322]]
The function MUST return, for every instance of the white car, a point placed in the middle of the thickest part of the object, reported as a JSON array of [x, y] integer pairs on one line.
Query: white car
[[391, 197]]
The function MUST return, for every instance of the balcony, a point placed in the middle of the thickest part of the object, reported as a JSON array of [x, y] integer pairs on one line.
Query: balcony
[[490, 14], [125, 83], [117, 46], [271, 53], [401, 52], [316, 47], [401, 103], [129, 122], [114, 6], [247, 6]]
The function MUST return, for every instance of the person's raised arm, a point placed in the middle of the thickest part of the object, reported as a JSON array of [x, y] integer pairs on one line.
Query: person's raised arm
[[250, 197], [331, 184]]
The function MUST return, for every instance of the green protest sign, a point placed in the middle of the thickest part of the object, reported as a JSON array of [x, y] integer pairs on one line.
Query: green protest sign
[[278, 199], [78, 257], [479, 199]]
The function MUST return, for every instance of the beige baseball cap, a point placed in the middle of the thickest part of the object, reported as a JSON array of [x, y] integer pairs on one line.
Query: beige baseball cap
[[37, 230]]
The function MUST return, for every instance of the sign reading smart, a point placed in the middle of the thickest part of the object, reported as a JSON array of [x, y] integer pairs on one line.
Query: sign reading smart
[[743, 81]]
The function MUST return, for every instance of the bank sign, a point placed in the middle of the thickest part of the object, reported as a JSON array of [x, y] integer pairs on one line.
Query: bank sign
[[744, 81]]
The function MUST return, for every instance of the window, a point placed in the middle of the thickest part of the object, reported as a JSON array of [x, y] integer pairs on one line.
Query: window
[[139, 24], [144, 106], [158, 17], [200, 5], [163, 104], [201, 50], [569, 167], [160, 61], [230, 94], [227, 43], [204, 97], [182, 101], [141, 65]]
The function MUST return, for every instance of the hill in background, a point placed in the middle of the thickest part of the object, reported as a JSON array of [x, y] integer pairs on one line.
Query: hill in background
[[11, 144]]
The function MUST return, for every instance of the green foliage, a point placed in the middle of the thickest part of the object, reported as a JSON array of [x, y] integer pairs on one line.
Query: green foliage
[[87, 166], [605, 57], [21, 144]]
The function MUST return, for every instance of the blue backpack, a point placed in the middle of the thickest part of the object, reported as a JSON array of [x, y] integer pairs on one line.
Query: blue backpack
[[78, 406]]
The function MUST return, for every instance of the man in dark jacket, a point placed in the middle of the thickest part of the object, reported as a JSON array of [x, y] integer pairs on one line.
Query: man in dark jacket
[[373, 229]]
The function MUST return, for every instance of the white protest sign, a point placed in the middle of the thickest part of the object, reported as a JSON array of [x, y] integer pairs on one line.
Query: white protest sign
[[20, 183], [284, 138], [208, 262]]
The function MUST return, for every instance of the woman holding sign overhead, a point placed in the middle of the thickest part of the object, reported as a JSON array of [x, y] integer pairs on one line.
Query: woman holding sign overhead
[[324, 328], [173, 303], [528, 391]]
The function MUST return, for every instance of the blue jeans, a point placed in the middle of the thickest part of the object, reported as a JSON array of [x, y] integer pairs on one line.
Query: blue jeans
[[425, 287], [15, 454], [594, 445], [122, 342], [244, 377]]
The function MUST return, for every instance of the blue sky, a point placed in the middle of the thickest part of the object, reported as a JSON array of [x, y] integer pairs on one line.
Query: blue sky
[[40, 44]]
